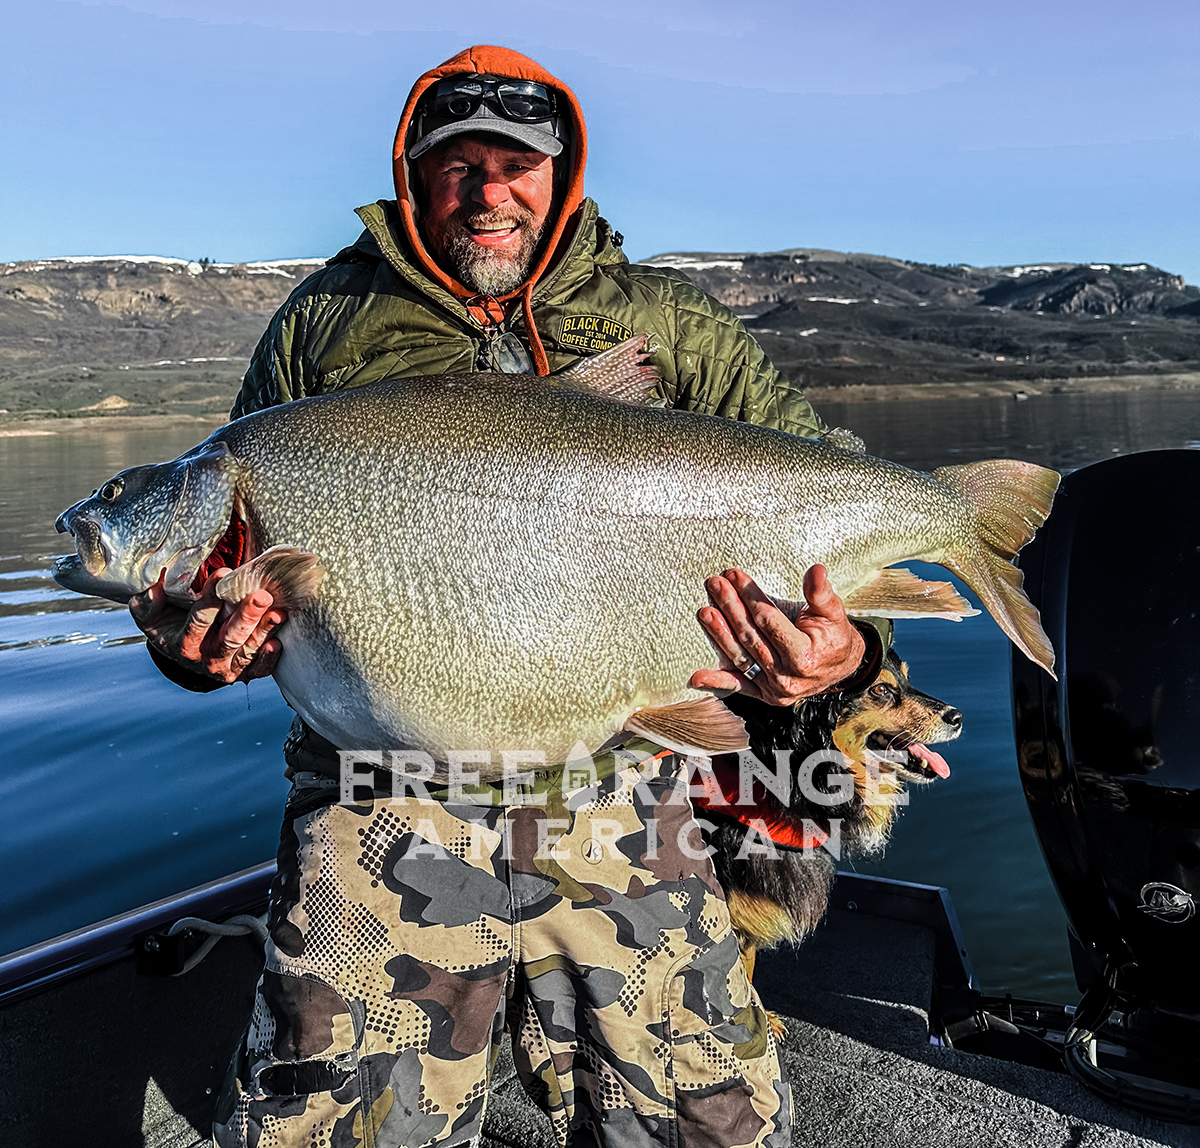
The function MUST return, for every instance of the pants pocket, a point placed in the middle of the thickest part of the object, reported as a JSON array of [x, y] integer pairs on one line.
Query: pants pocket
[[298, 1103], [302, 1018]]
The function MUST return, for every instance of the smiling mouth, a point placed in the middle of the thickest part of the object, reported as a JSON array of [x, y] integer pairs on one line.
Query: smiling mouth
[[494, 232]]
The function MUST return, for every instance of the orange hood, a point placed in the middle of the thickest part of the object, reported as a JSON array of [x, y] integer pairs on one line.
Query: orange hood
[[485, 59]]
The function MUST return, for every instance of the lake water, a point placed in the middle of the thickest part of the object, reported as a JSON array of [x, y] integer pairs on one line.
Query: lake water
[[119, 788]]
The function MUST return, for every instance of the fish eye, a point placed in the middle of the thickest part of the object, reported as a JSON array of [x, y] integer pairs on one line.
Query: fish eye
[[111, 491]]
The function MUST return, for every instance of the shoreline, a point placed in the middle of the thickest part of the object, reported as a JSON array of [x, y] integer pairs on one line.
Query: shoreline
[[105, 424], [1004, 388], [16, 427]]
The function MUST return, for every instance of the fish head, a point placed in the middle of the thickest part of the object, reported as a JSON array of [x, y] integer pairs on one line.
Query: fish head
[[147, 523]]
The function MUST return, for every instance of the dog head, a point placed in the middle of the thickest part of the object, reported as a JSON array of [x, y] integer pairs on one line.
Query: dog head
[[891, 724], [883, 731]]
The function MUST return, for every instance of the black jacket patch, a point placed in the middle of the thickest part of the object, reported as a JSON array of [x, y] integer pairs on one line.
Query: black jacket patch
[[592, 333]]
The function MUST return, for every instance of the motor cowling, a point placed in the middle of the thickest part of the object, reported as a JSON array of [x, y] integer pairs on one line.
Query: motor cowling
[[1109, 753]]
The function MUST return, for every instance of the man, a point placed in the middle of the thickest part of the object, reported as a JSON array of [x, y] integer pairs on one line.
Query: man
[[406, 937]]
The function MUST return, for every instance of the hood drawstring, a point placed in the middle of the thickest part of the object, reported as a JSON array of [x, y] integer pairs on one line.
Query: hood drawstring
[[540, 362]]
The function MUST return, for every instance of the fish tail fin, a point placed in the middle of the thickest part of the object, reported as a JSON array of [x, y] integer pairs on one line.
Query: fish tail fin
[[292, 577], [621, 372], [1009, 500]]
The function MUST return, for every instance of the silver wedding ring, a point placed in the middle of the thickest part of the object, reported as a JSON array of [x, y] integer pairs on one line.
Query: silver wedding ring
[[752, 671]]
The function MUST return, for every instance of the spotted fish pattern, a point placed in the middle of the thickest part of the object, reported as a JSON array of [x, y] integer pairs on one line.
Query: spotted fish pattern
[[408, 936]]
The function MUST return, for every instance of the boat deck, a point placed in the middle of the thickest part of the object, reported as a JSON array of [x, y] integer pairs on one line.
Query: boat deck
[[864, 1075], [114, 1058]]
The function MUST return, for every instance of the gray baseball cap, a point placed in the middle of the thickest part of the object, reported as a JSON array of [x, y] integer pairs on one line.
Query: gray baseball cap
[[521, 110]]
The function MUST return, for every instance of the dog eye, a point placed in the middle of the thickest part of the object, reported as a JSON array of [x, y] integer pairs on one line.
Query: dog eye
[[881, 691]]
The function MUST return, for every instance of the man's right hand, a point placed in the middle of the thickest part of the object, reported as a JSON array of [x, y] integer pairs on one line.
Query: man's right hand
[[223, 642]]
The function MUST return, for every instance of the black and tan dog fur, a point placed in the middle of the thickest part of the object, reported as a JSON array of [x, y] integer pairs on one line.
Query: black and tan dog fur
[[783, 899]]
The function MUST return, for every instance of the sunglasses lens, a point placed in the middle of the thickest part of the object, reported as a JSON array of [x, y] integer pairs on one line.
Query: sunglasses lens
[[458, 98], [524, 101]]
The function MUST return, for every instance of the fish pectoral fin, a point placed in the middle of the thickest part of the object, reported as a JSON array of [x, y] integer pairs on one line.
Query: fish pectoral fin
[[703, 726], [621, 372], [292, 577], [901, 594]]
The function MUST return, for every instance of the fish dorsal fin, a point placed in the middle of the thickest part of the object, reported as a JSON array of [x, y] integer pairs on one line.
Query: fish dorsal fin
[[621, 372], [292, 577], [901, 594], [703, 726], [845, 440]]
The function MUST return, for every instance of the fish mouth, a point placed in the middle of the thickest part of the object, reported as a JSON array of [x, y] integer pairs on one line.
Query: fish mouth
[[89, 542], [921, 764], [232, 550]]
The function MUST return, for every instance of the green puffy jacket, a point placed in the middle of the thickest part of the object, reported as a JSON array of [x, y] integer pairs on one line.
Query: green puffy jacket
[[371, 313]]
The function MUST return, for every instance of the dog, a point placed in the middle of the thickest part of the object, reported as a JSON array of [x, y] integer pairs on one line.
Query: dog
[[780, 891]]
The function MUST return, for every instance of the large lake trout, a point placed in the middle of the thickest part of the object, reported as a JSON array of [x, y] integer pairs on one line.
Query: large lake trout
[[506, 563]]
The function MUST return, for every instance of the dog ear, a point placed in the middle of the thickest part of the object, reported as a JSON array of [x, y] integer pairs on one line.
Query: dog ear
[[816, 719]]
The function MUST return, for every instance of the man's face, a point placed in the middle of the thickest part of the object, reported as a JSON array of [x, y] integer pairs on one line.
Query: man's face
[[487, 207]]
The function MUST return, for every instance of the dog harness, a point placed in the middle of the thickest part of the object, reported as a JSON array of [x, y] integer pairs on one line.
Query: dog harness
[[721, 793]]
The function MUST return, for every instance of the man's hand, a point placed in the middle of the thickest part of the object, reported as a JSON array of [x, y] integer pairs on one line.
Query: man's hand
[[228, 643], [818, 650]]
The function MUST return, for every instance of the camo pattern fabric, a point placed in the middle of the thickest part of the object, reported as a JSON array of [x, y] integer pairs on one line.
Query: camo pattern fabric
[[407, 936]]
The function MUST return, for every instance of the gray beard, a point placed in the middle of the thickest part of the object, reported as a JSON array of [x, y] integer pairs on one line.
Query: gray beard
[[485, 270]]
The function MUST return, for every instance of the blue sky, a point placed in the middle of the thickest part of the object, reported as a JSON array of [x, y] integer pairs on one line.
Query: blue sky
[[938, 130]]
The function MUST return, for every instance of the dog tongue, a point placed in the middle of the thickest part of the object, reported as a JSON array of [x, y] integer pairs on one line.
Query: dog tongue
[[935, 761]]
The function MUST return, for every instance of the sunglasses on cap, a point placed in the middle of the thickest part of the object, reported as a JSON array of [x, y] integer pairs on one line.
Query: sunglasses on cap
[[521, 101]]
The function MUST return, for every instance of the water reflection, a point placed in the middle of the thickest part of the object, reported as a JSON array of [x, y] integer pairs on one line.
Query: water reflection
[[1061, 431]]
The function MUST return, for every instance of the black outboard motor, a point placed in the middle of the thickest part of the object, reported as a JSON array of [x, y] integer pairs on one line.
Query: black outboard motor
[[1110, 763]]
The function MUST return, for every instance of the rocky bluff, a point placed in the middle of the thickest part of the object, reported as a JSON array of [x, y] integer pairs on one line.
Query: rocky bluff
[[831, 319]]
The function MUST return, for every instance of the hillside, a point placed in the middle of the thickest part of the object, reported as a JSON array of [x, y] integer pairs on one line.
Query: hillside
[[141, 334], [148, 334], [831, 319]]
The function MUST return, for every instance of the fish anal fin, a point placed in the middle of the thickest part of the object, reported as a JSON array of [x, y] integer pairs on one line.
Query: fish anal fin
[[292, 577], [901, 594], [702, 726], [621, 372]]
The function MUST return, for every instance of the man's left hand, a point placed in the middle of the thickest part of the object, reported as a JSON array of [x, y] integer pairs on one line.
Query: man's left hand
[[798, 659]]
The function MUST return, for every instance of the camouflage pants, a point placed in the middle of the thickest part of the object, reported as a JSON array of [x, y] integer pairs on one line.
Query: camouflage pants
[[406, 937]]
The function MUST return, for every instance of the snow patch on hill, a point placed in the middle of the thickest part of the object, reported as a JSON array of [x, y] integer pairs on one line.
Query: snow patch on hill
[[191, 266]]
